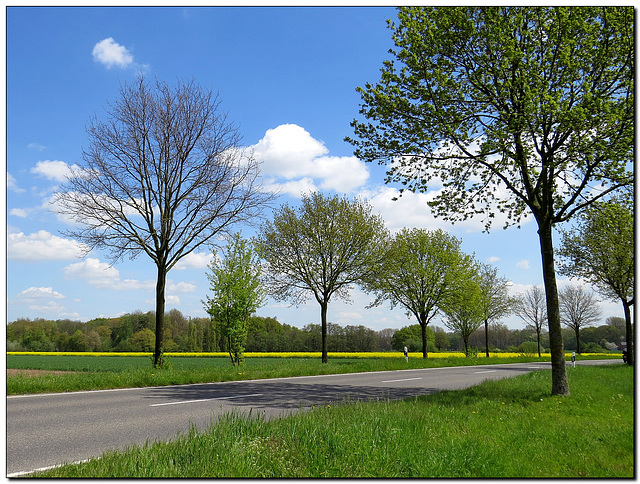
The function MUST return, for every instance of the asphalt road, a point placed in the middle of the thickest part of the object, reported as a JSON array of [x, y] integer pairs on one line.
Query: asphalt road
[[44, 430]]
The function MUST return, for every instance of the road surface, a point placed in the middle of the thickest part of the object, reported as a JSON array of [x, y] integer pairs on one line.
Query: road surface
[[45, 430]]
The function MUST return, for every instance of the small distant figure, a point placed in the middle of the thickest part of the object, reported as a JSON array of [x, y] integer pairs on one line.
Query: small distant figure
[[406, 354], [624, 356]]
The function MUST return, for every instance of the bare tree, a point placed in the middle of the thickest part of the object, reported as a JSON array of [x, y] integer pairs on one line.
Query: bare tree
[[578, 308], [494, 300], [532, 309], [164, 175]]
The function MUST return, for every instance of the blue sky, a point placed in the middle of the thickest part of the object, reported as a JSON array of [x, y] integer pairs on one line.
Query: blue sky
[[286, 76]]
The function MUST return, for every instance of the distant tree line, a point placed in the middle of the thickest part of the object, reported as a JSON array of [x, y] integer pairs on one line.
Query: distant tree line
[[135, 332]]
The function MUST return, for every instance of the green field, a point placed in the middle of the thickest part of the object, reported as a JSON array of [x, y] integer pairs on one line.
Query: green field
[[509, 428], [87, 372]]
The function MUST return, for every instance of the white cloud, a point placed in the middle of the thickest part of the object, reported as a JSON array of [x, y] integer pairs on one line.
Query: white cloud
[[289, 152], [12, 184], [43, 246], [193, 260], [104, 276], [40, 293], [295, 189], [36, 146], [53, 170], [181, 287], [410, 210], [20, 212], [493, 259], [523, 264], [110, 53]]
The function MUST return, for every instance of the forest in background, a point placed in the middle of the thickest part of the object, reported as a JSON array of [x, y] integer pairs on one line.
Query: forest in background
[[135, 332]]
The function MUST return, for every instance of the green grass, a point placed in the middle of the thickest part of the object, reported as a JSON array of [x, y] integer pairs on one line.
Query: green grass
[[103, 372], [508, 428]]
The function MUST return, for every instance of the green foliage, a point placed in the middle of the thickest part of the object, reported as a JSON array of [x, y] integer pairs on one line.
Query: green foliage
[[144, 340], [237, 293], [511, 111], [321, 249], [420, 270]]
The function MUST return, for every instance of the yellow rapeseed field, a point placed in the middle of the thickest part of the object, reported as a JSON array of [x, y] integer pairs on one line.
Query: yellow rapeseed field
[[292, 354]]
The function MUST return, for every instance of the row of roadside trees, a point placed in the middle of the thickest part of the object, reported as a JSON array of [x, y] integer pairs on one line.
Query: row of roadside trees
[[523, 111]]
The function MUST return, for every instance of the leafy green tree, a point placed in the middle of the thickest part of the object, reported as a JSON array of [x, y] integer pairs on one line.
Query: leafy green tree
[[321, 249], [463, 309], [600, 249], [420, 270], [164, 175], [144, 340], [411, 337], [524, 111], [237, 293], [77, 341], [441, 340]]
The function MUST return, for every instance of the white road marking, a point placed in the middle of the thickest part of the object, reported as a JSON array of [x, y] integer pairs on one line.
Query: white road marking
[[488, 371], [43, 469], [404, 379], [204, 400]]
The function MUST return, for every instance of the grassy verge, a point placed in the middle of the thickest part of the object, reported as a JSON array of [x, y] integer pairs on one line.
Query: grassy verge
[[88, 372], [509, 428]]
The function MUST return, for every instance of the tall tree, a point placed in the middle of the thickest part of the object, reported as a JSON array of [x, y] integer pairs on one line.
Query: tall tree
[[463, 309], [420, 270], [578, 308], [237, 293], [322, 249], [531, 308], [600, 249], [494, 298], [523, 111], [163, 176]]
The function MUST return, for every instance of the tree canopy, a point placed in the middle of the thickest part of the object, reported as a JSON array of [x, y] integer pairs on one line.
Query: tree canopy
[[520, 111], [164, 175], [320, 249], [420, 270], [600, 250], [236, 293]]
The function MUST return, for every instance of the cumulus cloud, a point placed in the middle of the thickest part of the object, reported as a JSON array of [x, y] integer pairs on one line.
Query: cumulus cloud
[[40, 293], [12, 184], [110, 53], [20, 212], [104, 276], [493, 259], [297, 163], [43, 246], [523, 264], [193, 260], [410, 210], [53, 170]]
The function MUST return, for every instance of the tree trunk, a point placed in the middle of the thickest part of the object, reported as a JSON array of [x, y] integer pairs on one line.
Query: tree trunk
[[559, 382], [486, 336], [425, 353], [538, 333], [627, 319], [323, 317], [578, 350], [160, 289]]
